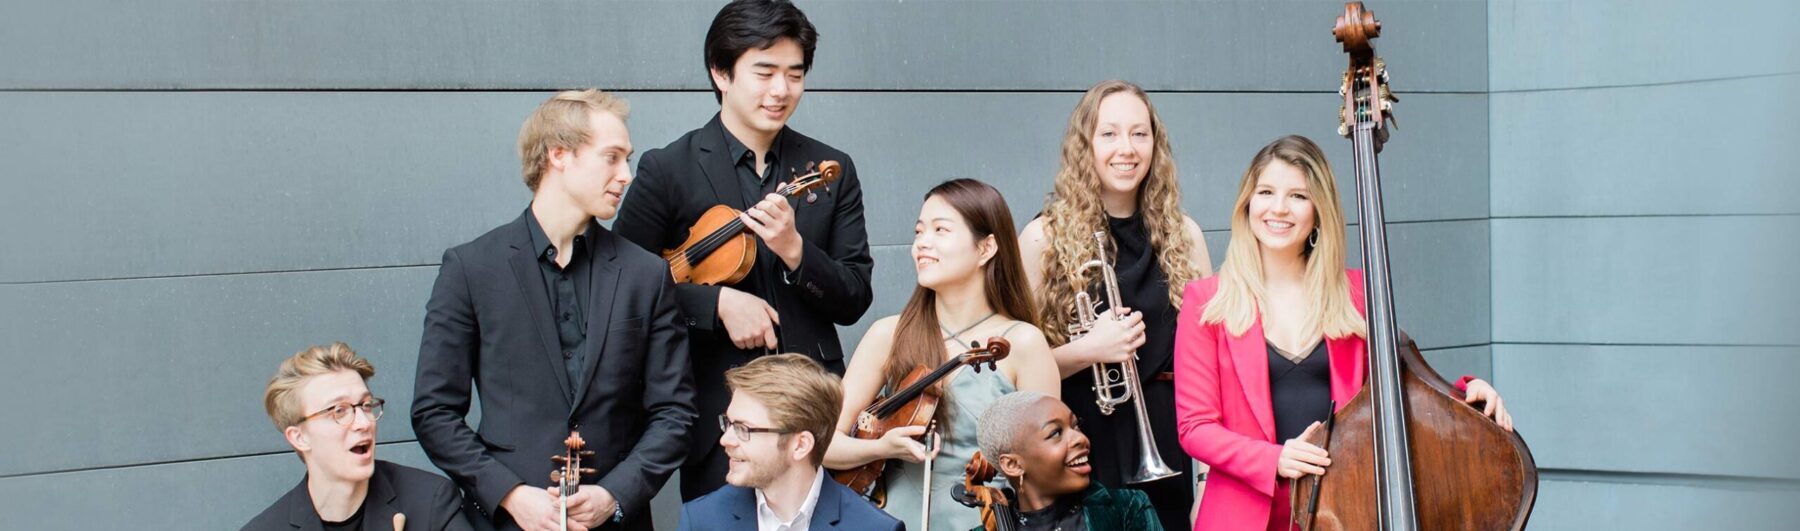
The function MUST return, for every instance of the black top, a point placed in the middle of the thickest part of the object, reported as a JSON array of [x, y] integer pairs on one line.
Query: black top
[[1062, 515], [567, 287], [1143, 287], [755, 186], [353, 523], [430, 503], [1299, 393]]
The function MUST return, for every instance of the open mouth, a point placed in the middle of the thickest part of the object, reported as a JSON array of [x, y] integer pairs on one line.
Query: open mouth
[[1124, 166], [1079, 464], [363, 448]]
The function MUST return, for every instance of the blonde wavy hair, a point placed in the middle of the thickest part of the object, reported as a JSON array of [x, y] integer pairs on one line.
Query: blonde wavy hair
[[1073, 213], [281, 398], [1241, 277], [563, 121]]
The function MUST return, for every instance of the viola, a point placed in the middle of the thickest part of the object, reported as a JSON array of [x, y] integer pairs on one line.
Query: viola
[[567, 475], [998, 511], [915, 404], [719, 248], [1407, 427]]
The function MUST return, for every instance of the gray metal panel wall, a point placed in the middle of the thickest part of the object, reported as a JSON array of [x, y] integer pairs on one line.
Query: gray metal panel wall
[[195, 189], [1642, 253]]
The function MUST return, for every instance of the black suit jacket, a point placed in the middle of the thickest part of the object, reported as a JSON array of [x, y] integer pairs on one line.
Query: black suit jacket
[[488, 323], [676, 183], [429, 502], [733, 508]]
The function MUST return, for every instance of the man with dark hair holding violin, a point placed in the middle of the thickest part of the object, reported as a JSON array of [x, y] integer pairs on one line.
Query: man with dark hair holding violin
[[563, 327], [811, 268]]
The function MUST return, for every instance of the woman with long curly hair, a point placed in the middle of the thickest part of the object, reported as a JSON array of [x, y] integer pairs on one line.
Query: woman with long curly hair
[[1118, 177]]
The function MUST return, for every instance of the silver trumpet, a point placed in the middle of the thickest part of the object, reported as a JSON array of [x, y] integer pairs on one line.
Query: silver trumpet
[[1116, 384]]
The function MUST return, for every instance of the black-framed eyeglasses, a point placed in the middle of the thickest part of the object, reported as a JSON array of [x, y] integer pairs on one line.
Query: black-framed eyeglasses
[[341, 412], [743, 431]]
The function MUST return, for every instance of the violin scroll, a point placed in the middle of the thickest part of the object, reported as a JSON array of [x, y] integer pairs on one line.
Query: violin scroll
[[996, 349]]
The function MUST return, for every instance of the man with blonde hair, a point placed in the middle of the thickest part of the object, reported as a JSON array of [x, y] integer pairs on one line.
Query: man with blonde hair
[[320, 401], [562, 327], [783, 414]]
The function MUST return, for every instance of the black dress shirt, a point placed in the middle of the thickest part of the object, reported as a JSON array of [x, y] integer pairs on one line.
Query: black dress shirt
[[567, 287]]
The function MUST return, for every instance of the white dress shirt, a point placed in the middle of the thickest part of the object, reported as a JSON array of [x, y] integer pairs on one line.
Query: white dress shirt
[[767, 520]]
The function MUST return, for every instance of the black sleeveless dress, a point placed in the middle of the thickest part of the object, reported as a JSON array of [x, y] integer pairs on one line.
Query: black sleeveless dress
[[1144, 288]]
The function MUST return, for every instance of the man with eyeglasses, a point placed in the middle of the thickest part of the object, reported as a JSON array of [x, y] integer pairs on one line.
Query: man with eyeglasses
[[320, 401], [782, 415]]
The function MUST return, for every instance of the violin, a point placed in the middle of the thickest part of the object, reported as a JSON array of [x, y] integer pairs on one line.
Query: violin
[[1407, 426], [998, 512], [567, 475], [915, 404], [719, 248]]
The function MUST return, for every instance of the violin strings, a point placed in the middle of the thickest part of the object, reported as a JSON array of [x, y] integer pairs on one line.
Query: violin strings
[[712, 241]]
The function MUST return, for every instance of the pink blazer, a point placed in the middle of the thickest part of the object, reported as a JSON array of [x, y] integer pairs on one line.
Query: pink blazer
[[1223, 413]]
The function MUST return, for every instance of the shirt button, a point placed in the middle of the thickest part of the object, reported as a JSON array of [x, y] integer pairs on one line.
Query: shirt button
[[565, 316], [568, 354]]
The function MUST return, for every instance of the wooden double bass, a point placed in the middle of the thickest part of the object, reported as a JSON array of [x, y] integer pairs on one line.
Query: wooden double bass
[[1407, 427]]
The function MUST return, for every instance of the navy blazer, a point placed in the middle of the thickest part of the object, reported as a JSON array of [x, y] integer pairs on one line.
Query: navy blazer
[[428, 500], [733, 508]]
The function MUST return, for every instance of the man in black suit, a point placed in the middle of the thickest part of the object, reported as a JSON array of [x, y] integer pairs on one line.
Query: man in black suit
[[783, 414], [561, 326], [812, 267], [320, 400]]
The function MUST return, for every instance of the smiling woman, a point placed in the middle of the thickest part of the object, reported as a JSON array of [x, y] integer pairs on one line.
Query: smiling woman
[[1037, 443], [1118, 177], [971, 287]]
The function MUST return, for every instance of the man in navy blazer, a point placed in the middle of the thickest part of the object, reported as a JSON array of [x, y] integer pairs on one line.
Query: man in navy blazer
[[782, 416]]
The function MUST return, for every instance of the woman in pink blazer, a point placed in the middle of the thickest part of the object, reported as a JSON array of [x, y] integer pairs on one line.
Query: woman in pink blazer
[[1266, 346]]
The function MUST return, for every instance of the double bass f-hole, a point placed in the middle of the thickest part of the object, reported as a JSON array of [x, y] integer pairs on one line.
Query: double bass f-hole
[[567, 475]]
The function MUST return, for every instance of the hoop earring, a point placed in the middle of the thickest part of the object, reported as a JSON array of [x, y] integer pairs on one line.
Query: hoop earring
[[1313, 241]]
